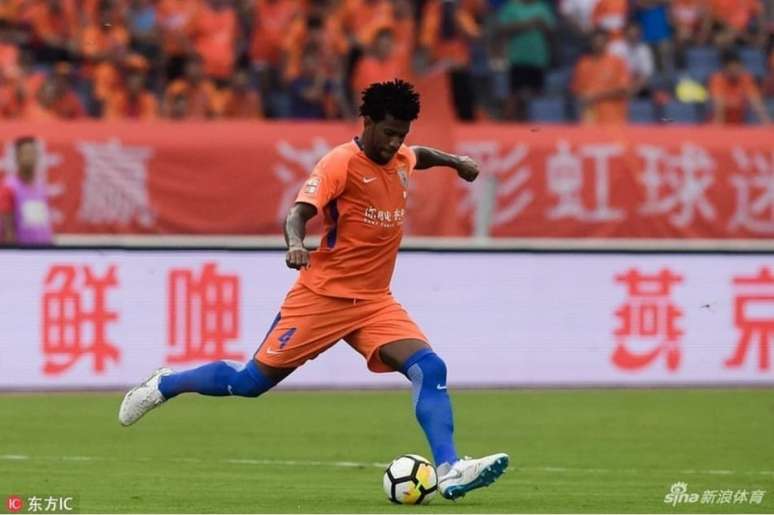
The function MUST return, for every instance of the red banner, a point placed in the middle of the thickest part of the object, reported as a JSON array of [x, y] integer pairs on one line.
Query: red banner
[[240, 178]]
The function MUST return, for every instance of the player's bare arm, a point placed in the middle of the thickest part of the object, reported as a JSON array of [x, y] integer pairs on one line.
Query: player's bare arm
[[428, 157], [295, 229]]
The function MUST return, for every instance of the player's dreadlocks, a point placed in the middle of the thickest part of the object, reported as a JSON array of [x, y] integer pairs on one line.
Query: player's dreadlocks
[[396, 98]]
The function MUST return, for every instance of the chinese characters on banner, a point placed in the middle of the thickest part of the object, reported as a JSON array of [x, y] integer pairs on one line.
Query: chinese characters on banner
[[634, 182], [650, 315], [86, 317], [203, 317]]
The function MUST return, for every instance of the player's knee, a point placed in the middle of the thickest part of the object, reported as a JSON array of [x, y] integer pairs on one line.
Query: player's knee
[[431, 368]]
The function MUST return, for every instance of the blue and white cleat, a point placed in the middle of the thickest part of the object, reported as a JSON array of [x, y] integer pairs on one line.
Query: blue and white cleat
[[468, 474], [141, 399]]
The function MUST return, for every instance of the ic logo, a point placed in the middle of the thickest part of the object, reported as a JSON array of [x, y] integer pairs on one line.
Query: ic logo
[[14, 504]]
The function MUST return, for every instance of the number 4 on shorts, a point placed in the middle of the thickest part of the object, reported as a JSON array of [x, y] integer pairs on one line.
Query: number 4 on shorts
[[285, 337]]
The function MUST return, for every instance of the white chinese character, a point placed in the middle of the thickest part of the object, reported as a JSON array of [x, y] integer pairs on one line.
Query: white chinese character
[[45, 161], [566, 180], [740, 496], [380, 215], [708, 497], [51, 503], [508, 169], [756, 496], [370, 213], [388, 216], [686, 177], [726, 496], [115, 188], [755, 175], [34, 504], [294, 171]]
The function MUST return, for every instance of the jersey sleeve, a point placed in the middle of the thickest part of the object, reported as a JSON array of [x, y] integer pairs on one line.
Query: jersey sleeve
[[327, 180], [412, 158]]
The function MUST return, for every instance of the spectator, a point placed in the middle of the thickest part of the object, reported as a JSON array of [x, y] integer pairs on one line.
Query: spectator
[[56, 98], [380, 64], [602, 84], [175, 20], [733, 90], [312, 94], [768, 86], [54, 26], [736, 21], [448, 27], [142, 22], [239, 101], [132, 100], [577, 14], [639, 59], [688, 18], [653, 18], [23, 202], [526, 27], [610, 16], [199, 93], [214, 34]]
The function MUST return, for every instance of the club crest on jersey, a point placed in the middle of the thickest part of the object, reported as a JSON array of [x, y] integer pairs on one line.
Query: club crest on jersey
[[311, 186], [403, 175]]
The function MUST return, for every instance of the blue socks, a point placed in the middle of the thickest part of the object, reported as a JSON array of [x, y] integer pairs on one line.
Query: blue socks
[[427, 373], [218, 378]]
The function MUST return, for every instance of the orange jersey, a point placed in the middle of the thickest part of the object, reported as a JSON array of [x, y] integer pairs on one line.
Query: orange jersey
[[594, 75], [364, 205], [735, 95]]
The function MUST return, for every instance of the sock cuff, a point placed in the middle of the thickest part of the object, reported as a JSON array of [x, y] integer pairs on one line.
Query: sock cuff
[[418, 355]]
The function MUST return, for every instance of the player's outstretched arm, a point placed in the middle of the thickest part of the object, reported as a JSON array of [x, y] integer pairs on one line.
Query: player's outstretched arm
[[428, 157], [295, 229]]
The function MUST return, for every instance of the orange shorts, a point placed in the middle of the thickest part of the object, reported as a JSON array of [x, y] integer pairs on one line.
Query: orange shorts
[[309, 323]]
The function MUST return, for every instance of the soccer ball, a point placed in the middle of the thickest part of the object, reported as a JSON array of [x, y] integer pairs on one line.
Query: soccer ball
[[410, 479]]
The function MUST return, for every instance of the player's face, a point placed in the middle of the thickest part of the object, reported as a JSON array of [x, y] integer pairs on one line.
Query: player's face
[[383, 139]]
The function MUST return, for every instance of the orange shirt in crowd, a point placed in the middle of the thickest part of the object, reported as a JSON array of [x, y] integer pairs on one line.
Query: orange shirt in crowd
[[610, 15], [736, 13], [120, 106], [175, 18], [333, 45], [201, 97], [96, 40], [10, 10], [597, 74], [272, 19], [233, 104], [362, 203], [67, 107], [363, 18], [9, 59], [735, 95], [369, 69], [457, 49], [214, 34], [49, 26]]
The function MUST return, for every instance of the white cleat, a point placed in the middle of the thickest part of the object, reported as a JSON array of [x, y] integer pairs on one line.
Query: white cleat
[[141, 399], [468, 474]]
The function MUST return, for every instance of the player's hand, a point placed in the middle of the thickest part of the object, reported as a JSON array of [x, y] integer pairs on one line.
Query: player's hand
[[297, 258], [467, 168]]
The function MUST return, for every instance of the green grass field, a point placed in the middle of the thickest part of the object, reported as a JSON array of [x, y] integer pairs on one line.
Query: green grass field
[[572, 451]]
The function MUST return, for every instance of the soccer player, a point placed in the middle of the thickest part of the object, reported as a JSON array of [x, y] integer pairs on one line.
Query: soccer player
[[343, 292]]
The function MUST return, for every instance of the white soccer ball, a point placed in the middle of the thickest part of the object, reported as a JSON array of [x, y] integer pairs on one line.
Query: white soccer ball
[[410, 479]]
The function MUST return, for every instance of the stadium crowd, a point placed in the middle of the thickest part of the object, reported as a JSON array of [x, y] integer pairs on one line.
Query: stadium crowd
[[596, 61]]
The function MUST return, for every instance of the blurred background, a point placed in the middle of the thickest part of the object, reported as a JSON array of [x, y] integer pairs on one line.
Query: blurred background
[[689, 61]]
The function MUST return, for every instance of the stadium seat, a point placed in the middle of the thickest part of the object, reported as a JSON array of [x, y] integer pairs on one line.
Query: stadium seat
[[702, 62], [680, 112], [547, 110], [641, 111], [558, 81], [754, 60]]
